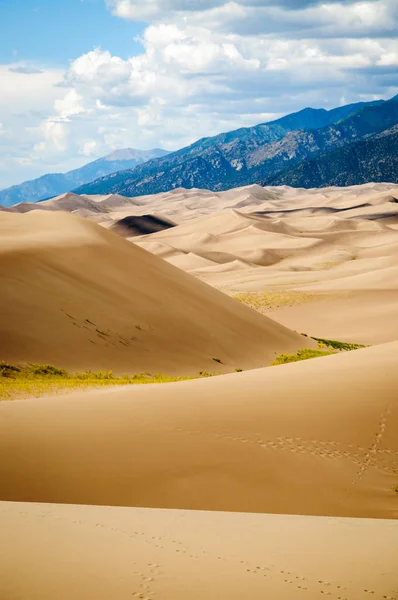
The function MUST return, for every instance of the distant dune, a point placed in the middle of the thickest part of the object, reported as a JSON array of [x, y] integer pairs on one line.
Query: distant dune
[[339, 242], [81, 297], [142, 225]]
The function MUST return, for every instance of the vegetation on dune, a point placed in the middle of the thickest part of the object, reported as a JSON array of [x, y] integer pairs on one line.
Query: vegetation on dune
[[265, 301], [325, 348], [337, 345], [18, 381], [304, 354]]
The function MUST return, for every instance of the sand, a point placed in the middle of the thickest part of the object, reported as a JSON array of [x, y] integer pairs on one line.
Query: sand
[[275, 482], [315, 438], [81, 552], [368, 317], [80, 297]]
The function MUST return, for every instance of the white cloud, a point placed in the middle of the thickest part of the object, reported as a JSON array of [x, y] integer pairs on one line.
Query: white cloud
[[69, 105], [295, 18], [89, 148], [184, 66], [55, 134]]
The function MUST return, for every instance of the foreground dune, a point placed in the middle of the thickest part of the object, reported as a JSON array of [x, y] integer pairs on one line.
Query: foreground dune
[[80, 297], [81, 552], [317, 438]]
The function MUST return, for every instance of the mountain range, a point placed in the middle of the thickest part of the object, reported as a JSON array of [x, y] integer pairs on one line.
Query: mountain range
[[348, 145], [54, 184], [266, 153], [372, 159]]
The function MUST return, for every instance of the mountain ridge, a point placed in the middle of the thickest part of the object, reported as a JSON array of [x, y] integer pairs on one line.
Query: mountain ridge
[[373, 159], [53, 184], [251, 155]]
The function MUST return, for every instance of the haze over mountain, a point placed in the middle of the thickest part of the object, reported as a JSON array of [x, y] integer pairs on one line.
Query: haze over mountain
[[257, 154], [53, 184]]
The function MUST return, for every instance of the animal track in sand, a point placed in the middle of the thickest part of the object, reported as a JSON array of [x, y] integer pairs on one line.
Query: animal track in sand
[[147, 574], [373, 450], [327, 449]]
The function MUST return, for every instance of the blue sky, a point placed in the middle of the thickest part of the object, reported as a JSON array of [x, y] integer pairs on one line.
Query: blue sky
[[76, 84], [53, 32]]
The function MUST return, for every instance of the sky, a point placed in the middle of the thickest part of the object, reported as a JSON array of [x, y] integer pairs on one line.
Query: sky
[[81, 78]]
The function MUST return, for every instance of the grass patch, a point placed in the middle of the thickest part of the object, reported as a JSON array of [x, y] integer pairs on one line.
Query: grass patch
[[36, 380], [325, 348], [304, 354], [395, 489], [341, 346], [266, 301]]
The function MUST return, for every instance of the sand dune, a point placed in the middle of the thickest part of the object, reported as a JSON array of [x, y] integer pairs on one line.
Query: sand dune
[[142, 225], [315, 438], [238, 452], [83, 552], [339, 241], [80, 297], [368, 317]]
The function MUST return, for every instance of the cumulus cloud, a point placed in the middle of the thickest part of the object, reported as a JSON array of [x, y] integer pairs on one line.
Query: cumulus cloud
[[297, 18], [168, 9], [184, 66]]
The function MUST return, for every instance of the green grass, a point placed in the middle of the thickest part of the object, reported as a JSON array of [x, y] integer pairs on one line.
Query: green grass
[[304, 354], [342, 346], [36, 380], [325, 348]]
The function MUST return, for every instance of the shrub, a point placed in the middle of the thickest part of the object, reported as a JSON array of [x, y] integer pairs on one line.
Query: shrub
[[8, 370], [45, 370], [337, 345], [36, 380], [304, 354]]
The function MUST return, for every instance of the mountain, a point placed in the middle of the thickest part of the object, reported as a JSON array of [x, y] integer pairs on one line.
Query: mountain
[[253, 154], [374, 159], [54, 184]]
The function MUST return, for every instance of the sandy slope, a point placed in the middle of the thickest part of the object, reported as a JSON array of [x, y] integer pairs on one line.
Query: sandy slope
[[83, 552], [315, 438], [367, 317], [78, 296]]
